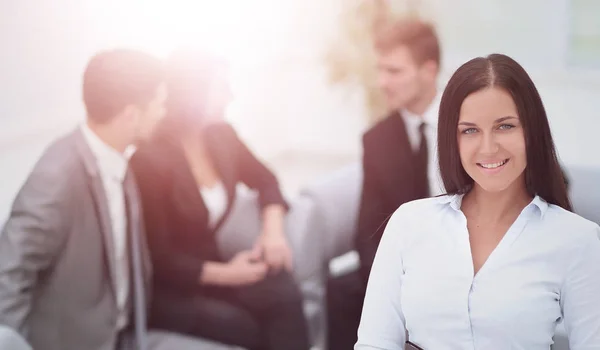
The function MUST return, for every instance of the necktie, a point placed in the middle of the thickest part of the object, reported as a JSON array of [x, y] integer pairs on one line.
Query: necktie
[[422, 160], [137, 270]]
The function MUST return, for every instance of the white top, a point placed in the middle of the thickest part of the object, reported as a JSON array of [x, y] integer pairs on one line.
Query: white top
[[412, 123], [546, 268], [113, 167], [215, 199]]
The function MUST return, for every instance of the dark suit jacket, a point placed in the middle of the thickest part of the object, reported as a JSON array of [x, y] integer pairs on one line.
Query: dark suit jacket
[[176, 217], [389, 178]]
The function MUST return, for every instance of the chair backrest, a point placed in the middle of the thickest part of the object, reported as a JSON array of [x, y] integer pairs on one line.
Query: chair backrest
[[337, 199], [585, 197], [584, 191]]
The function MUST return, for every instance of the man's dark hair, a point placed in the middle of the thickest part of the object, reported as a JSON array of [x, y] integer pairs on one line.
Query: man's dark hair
[[115, 79]]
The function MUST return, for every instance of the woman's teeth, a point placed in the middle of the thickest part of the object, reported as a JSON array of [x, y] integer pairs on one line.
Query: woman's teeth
[[493, 165]]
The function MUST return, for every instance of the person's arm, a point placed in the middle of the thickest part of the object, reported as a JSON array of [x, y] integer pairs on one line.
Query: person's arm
[[33, 236], [382, 325], [214, 273], [273, 218], [242, 270], [580, 295], [272, 242], [255, 174], [371, 217]]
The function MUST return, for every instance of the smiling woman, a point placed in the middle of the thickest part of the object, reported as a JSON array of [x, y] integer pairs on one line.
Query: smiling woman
[[492, 116], [505, 221]]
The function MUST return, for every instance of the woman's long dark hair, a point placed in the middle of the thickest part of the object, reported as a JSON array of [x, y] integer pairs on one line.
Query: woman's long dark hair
[[543, 175], [189, 75]]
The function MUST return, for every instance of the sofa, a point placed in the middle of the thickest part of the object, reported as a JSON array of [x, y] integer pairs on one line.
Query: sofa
[[319, 227], [584, 191], [242, 228], [321, 224]]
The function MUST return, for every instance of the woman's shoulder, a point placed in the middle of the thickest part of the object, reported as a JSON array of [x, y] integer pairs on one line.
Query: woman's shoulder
[[416, 209], [418, 216], [570, 225]]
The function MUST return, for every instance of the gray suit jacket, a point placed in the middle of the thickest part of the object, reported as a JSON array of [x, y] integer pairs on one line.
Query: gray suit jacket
[[56, 255]]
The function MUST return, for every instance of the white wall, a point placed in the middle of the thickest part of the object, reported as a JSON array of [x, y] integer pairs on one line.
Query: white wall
[[44, 49], [284, 102], [329, 119]]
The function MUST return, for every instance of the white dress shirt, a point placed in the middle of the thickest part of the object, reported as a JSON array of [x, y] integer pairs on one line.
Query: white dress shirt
[[412, 123], [546, 268], [113, 167], [215, 200]]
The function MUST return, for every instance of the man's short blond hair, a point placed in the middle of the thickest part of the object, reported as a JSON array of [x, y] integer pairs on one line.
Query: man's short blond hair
[[418, 36]]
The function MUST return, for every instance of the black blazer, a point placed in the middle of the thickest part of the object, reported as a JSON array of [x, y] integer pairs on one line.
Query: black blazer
[[389, 180], [176, 218]]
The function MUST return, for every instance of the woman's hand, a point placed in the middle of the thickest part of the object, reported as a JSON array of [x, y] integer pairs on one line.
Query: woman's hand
[[245, 268], [275, 251], [272, 245]]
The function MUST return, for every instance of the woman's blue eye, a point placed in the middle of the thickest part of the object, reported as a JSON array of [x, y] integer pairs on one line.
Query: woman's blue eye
[[506, 127], [469, 131]]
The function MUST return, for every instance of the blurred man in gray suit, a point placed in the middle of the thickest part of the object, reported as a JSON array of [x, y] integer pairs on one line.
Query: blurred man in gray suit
[[74, 264]]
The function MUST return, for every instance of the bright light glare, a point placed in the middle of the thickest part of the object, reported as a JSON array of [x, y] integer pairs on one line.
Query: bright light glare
[[247, 33], [159, 26]]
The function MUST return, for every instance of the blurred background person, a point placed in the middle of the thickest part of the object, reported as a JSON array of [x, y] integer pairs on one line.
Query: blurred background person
[[399, 158], [190, 174], [74, 265]]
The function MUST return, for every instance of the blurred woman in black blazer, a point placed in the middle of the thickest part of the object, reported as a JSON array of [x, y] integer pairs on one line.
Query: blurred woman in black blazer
[[188, 177]]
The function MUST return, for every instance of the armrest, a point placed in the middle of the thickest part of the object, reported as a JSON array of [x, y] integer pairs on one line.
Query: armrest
[[344, 264], [336, 198]]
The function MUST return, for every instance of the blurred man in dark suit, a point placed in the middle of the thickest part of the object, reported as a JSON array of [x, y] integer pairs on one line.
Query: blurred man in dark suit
[[399, 159]]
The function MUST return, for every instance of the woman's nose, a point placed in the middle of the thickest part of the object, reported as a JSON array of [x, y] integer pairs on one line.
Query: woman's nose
[[489, 144]]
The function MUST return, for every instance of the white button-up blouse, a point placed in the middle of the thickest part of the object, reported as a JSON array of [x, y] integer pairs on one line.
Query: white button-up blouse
[[545, 269]]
